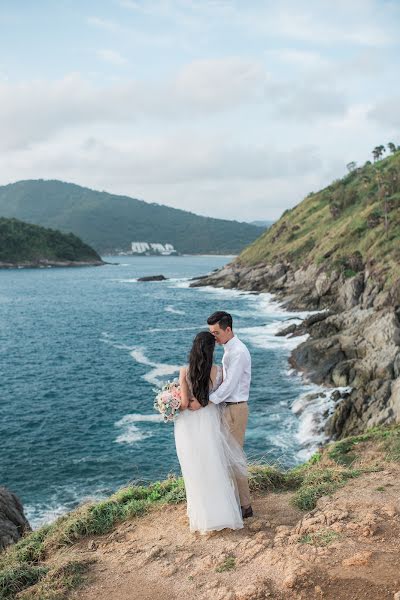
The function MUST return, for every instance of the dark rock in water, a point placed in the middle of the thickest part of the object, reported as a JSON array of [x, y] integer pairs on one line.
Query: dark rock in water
[[287, 331], [153, 278], [13, 523]]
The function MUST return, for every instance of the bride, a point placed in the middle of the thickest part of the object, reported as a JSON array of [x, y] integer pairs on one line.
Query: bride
[[208, 454]]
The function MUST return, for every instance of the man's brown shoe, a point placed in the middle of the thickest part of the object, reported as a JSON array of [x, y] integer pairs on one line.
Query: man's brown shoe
[[247, 512]]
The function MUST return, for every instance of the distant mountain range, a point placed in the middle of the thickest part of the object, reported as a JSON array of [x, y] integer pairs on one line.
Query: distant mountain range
[[109, 223], [263, 224]]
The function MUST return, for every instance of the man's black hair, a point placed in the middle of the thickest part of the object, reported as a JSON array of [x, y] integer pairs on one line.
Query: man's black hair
[[221, 317]]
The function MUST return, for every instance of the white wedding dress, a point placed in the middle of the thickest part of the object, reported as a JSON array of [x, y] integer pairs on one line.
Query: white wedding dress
[[210, 457]]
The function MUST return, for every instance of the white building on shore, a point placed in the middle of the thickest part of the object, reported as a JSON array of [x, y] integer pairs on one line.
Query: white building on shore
[[149, 248]]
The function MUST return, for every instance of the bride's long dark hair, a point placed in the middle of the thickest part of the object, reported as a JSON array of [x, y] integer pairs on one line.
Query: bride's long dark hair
[[200, 364]]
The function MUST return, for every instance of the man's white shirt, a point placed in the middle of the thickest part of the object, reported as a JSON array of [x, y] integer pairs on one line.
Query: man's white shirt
[[236, 366]]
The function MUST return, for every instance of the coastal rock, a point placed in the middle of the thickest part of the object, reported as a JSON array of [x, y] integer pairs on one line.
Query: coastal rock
[[354, 339], [318, 358], [350, 292], [324, 282], [152, 278], [394, 400], [13, 523]]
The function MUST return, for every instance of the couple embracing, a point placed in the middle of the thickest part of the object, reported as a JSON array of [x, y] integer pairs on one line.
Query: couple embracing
[[209, 433]]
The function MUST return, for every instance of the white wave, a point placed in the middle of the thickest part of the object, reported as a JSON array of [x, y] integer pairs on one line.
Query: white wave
[[46, 513], [313, 413], [139, 356], [182, 282], [227, 292], [131, 434], [159, 370], [130, 280], [39, 516], [291, 372], [111, 342], [174, 311], [137, 418], [265, 305], [190, 328], [264, 336], [271, 306], [280, 441], [178, 279]]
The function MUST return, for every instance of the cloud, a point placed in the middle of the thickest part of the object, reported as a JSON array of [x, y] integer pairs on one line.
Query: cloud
[[129, 4], [361, 22], [386, 113], [112, 56], [220, 83], [182, 156], [300, 59], [35, 110], [105, 24]]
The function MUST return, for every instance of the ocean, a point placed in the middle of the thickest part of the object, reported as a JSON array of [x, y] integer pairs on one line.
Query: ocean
[[82, 351]]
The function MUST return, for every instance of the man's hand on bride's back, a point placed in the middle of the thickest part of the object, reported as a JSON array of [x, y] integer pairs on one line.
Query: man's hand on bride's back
[[194, 404]]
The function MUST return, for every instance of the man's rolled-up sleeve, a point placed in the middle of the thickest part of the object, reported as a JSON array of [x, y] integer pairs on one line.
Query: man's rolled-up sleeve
[[230, 383]]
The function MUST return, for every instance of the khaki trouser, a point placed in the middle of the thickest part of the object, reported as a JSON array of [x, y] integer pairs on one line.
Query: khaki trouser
[[236, 416]]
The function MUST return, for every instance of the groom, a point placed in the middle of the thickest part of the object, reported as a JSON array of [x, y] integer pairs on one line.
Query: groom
[[234, 390]]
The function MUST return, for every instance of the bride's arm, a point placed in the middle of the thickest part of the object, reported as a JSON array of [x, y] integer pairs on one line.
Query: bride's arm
[[184, 389], [186, 400]]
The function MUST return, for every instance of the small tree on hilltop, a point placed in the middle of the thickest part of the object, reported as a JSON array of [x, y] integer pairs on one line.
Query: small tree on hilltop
[[351, 166], [392, 147], [378, 151]]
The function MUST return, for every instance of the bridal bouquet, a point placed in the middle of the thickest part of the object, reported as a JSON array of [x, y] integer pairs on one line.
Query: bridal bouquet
[[168, 400]]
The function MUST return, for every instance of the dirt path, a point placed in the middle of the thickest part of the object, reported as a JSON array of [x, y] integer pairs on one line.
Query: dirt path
[[348, 548]]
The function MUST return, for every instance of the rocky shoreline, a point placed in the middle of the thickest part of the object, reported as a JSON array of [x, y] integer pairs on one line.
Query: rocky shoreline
[[353, 340], [44, 263]]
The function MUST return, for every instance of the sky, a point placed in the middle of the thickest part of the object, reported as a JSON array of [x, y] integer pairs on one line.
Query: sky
[[229, 109]]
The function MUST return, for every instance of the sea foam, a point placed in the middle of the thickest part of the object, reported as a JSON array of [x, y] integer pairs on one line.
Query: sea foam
[[158, 370], [174, 311], [131, 434]]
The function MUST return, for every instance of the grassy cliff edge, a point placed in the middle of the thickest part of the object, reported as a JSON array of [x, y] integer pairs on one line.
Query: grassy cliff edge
[[43, 564]]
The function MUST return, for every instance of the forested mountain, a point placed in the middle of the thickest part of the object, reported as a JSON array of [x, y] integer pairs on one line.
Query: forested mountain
[[109, 222], [23, 243]]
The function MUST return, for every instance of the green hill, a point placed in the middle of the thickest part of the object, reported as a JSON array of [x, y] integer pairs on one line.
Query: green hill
[[109, 222], [23, 243], [350, 224]]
